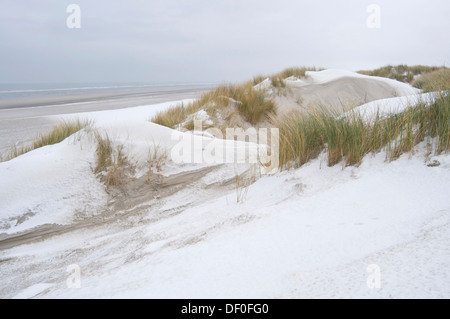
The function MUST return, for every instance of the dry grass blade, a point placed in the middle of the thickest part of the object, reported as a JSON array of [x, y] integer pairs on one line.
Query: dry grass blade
[[251, 104], [157, 157], [304, 136], [111, 161], [434, 82], [402, 73], [56, 135]]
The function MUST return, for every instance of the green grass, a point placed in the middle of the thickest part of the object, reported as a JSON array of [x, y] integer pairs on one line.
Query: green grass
[[56, 135], [304, 136]]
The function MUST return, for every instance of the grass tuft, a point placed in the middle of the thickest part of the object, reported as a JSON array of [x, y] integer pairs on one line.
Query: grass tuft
[[111, 162], [56, 135], [157, 157], [304, 136], [176, 115], [402, 73], [278, 79], [434, 82], [258, 79], [243, 182], [251, 104]]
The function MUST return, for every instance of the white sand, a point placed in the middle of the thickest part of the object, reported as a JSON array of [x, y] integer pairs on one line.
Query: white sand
[[301, 233], [339, 90]]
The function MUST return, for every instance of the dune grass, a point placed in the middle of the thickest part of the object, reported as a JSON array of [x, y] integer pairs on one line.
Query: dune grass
[[243, 182], [176, 115], [297, 72], [56, 135], [251, 104], [111, 161], [304, 136], [258, 79], [157, 158], [435, 81], [278, 79], [402, 73], [104, 152]]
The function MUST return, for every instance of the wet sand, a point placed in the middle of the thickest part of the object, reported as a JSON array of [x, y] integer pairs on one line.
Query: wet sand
[[125, 97], [22, 119]]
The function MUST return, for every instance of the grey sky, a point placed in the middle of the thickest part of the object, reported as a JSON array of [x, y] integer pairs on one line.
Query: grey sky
[[212, 40]]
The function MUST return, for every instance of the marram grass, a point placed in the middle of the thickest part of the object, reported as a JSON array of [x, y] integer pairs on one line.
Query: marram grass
[[56, 135], [251, 104], [304, 136], [111, 161]]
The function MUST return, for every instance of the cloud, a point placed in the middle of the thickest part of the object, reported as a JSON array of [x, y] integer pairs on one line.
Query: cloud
[[195, 40]]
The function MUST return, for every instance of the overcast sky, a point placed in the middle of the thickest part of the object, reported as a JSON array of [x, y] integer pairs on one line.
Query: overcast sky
[[212, 40]]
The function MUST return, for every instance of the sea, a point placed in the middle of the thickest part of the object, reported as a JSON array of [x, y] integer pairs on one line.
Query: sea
[[40, 90]]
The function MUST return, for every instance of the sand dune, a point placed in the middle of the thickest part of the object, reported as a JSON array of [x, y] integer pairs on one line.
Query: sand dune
[[339, 90], [209, 230]]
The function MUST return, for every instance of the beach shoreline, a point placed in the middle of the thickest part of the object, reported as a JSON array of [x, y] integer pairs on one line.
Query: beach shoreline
[[22, 119], [154, 95]]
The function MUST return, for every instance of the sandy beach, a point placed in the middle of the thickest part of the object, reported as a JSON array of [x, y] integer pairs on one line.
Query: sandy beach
[[149, 225], [23, 118], [208, 153]]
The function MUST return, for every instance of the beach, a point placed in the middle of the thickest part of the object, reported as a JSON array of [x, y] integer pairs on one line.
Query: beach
[[120, 202], [21, 119]]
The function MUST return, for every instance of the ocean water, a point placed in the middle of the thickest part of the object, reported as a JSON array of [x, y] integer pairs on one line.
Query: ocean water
[[30, 90]]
